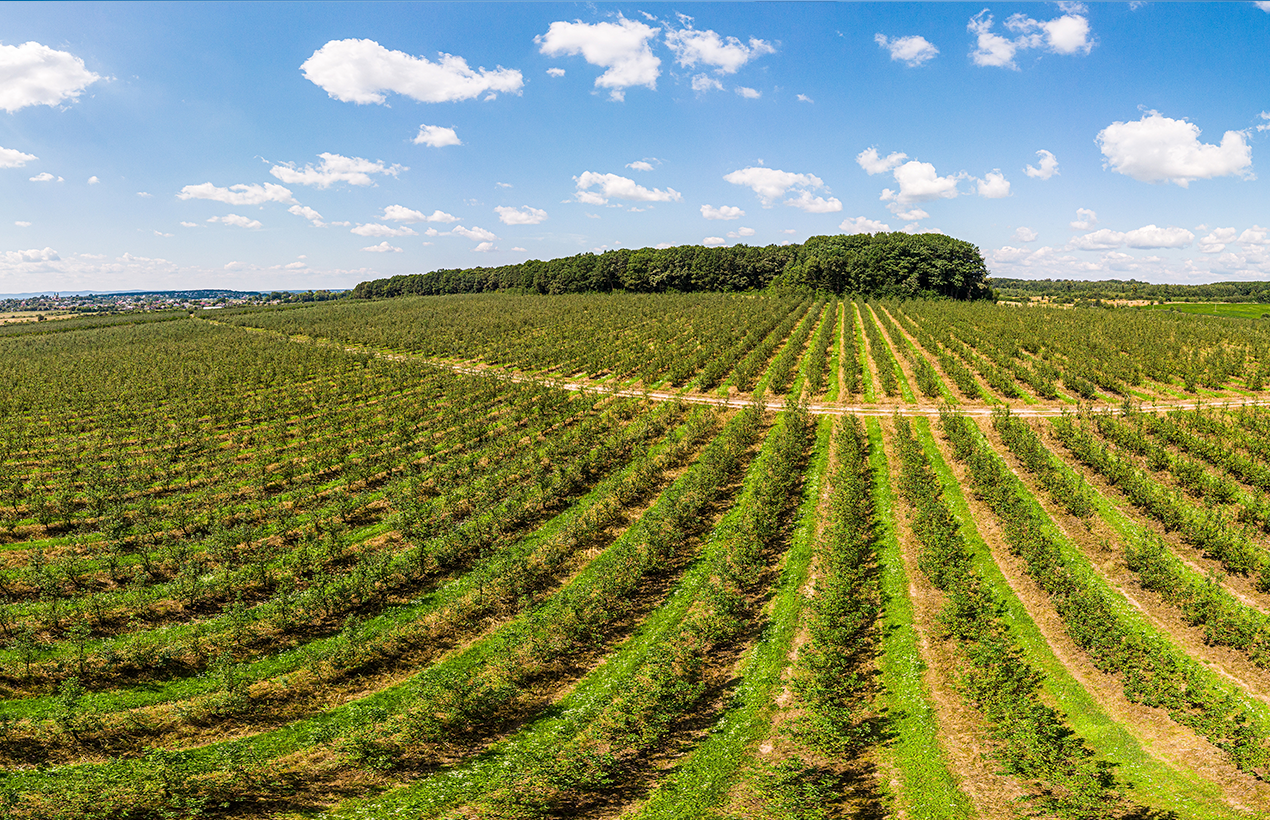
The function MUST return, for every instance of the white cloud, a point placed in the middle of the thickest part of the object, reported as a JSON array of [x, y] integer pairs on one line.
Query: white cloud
[[771, 184], [45, 176], [613, 186], [33, 255], [1264, 5], [190, 225], [622, 48], [991, 49], [295, 266], [814, 204], [805, 98], [741, 232], [375, 229], [518, 248], [913, 51], [524, 215], [862, 224], [920, 182], [748, 93], [1069, 34], [713, 241], [1025, 235], [1256, 235], [556, 72], [1217, 240], [724, 54], [335, 168], [308, 213], [911, 215], [872, 164], [34, 74], [145, 194], [93, 180], [473, 233], [1160, 149], [161, 233], [1147, 237], [724, 212], [641, 165], [484, 247], [1085, 219], [502, 185], [1265, 115], [436, 136], [12, 158], [22, 224], [400, 213], [237, 194], [236, 221], [361, 71], [383, 247], [1046, 168], [702, 83], [994, 185]]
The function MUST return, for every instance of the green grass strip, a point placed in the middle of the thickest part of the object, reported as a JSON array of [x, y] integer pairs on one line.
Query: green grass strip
[[866, 378]]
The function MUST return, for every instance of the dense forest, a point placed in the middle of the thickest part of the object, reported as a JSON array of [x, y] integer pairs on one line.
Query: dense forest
[[882, 264], [1071, 290]]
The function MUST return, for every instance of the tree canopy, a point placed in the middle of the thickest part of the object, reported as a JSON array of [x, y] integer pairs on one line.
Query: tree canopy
[[882, 264]]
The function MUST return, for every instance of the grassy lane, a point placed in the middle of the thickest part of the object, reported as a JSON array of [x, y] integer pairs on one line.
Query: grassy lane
[[867, 388], [1149, 781]]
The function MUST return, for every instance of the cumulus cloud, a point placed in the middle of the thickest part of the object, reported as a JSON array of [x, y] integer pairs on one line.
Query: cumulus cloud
[[771, 184], [375, 229], [724, 212], [1085, 219], [994, 185], [713, 241], [1025, 235], [32, 255], [473, 233], [702, 83], [237, 194], [1265, 115], [748, 93], [1068, 34], [362, 71], [22, 224], [1256, 235], [556, 72], [912, 51], [1157, 148], [308, 213], [1147, 238], [741, 232], [639, 165], [236, 221], [1046, 168], [862, 224], [12, 158], [1217, 240], [45, 176], [622, 48], [612, 186], [190, 225], [1264, 5], [724, 54], [872, 164], [34, 74], [383, 247], [911, 215], [93, 180], [335, 168], [484, 247], [145, 194], [436, 137], [920, 182], [805, 98], [400, 213], [524, 215]]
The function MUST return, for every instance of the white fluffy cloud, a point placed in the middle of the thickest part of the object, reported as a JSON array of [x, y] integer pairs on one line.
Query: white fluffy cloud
[[1264, 5], [93, 180], [22, 223], [771, 184], [335, 168], [524, 215], [1217, 240], [361, 71], [484, 247], [1157, 148], [702, 83], [1046, 168], [612, 186], [556, 72], [473, 233], [714, 241], [724, 212], [639, 165], [383, 247], [741, 232], [862, 224], [375, 229], [1148, 237], [12, 158], [33, 255], [622, 48], [1265, 115], [45, 176], [724, 54], [1068, 34], [236, 221], [400, 213], [994, 185], [805, 98], [1256, 235], [436, 137], [308, 213], [34, 74], [190, 225], [1085, 219], [237, 194], [1025, 235], [920, 182], [872, 164], [748, 93], [912, 51]]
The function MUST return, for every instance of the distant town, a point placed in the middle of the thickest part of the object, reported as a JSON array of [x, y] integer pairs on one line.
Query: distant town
[[58, 304]]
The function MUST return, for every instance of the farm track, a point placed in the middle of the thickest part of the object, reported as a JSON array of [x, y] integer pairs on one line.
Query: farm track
[[874, 409]]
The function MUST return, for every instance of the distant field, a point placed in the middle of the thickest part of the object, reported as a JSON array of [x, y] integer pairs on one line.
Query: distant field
[[1238, 311], [636, 556]]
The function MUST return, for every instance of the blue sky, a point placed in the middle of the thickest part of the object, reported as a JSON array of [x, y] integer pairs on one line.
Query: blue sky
[[299, 145]]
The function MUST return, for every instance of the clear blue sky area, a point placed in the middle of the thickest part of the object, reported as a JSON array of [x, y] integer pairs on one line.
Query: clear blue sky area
[[297, 145]]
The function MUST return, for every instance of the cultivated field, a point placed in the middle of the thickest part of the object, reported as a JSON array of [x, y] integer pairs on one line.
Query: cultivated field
[[644, 556]]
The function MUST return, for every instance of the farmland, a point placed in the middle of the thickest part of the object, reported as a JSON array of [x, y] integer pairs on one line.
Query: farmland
[[636, 555]]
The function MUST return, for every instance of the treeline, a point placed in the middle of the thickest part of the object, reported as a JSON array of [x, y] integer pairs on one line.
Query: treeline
[[1068, 290], [883, 264]]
